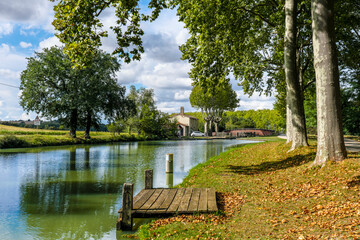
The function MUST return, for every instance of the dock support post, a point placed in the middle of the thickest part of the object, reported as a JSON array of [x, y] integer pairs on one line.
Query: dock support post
[[148, 179], [127, 221], [169, 163]]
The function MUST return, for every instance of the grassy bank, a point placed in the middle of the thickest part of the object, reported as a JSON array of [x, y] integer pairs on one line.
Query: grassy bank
[[264, 192], [15, 137]]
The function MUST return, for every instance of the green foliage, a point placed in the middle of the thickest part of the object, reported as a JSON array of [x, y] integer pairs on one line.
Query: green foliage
[[154, 123], [214, 101], [114, 128], [351, 110], [80, 29], [51, 86], [11, 141]]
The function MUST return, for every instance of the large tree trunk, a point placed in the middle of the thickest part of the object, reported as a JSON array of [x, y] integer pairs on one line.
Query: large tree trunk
[[210, 127], [294, 101], [289, 130], [73, 122], [88, 125], [206, 127], [330, 137], [216, 127]]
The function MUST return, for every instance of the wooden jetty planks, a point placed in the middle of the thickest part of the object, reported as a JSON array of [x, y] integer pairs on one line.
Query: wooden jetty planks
[[203, 200], [194, 201], [152, 199], [160, 199], [147, 194], [211, 194], [176, 202], [169, 198], [185, 200]]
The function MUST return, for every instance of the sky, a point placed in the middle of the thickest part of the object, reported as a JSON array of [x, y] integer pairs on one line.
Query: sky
[[25, 27]]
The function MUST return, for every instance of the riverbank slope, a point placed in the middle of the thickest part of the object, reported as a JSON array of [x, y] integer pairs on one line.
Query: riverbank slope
[[16, 137], [265, 192]]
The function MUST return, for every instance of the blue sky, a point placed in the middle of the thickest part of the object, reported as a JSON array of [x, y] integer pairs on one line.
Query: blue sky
[[25, 27]]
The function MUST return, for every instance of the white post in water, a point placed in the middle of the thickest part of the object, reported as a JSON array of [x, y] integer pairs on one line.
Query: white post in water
[[169, 163]]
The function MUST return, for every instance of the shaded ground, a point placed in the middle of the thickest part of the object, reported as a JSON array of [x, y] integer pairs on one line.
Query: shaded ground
[[351, 145]]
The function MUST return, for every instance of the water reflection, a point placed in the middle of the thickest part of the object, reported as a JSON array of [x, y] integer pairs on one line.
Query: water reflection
[[75, 192]]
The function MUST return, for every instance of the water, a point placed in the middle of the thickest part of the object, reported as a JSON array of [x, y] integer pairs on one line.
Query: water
[[74, 192]]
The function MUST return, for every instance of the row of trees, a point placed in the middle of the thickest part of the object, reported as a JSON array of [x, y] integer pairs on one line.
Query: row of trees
[[245, 38], [263, 119]]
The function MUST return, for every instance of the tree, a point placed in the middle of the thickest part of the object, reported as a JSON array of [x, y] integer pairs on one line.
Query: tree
[[213, 102], [101, 94], [296, 131], [80, 29], [154, 123], [51, 86], [140, 97], [245, 38], [329, 122]]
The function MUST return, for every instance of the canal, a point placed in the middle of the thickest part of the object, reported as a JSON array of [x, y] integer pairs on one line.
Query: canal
[[74, 192]]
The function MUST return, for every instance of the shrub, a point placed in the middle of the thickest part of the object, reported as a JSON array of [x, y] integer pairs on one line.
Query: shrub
[[11, 141]]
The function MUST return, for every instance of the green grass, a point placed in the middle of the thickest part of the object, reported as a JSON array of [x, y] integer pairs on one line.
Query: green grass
[[14, 137], [266, 192]]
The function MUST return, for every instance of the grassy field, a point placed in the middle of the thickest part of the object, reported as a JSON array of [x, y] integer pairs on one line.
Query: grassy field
[[11, 137], [266, 192]]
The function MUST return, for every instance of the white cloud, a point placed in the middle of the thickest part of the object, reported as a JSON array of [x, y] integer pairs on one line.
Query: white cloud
[[255, 102], [11, 60], [25, 44], [183, 95], [49, 42], [6, 29], [30, 13]]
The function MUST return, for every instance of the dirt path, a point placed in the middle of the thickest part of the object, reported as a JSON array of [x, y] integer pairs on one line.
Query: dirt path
[[351, 145]]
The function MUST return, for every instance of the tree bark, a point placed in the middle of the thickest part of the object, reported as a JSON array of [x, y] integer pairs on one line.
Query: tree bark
[[206, 127], [210, 127], [88, 125], [330, 137], [294, 101], [73, 122], [216, 127]]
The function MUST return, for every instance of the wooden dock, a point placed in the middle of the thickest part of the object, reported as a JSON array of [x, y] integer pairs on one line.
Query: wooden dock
[[164, 202]]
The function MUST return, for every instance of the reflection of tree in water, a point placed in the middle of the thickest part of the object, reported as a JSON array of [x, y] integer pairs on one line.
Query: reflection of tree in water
[[77, 203]]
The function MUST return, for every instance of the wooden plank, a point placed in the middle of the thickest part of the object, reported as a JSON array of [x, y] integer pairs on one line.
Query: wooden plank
[[160, 199], [169, 198], [203, 200], [176, 201], [152, 199], [149, 179], [184, 204], [148, 193], [127, 220], [194, 201], [212, 206]]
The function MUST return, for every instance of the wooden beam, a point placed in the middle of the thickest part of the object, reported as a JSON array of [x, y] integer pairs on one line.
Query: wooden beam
[[149, 179], [127, 221]]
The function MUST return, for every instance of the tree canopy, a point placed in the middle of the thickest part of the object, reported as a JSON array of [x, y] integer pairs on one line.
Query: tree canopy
[[213, 102], [80, 29], [53, 88]]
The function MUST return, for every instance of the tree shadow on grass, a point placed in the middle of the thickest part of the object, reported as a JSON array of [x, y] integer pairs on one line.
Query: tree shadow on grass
[[272, 166]]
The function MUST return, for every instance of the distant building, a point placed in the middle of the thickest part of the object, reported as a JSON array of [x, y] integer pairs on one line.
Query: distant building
[[186, 123], [37, 121]]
